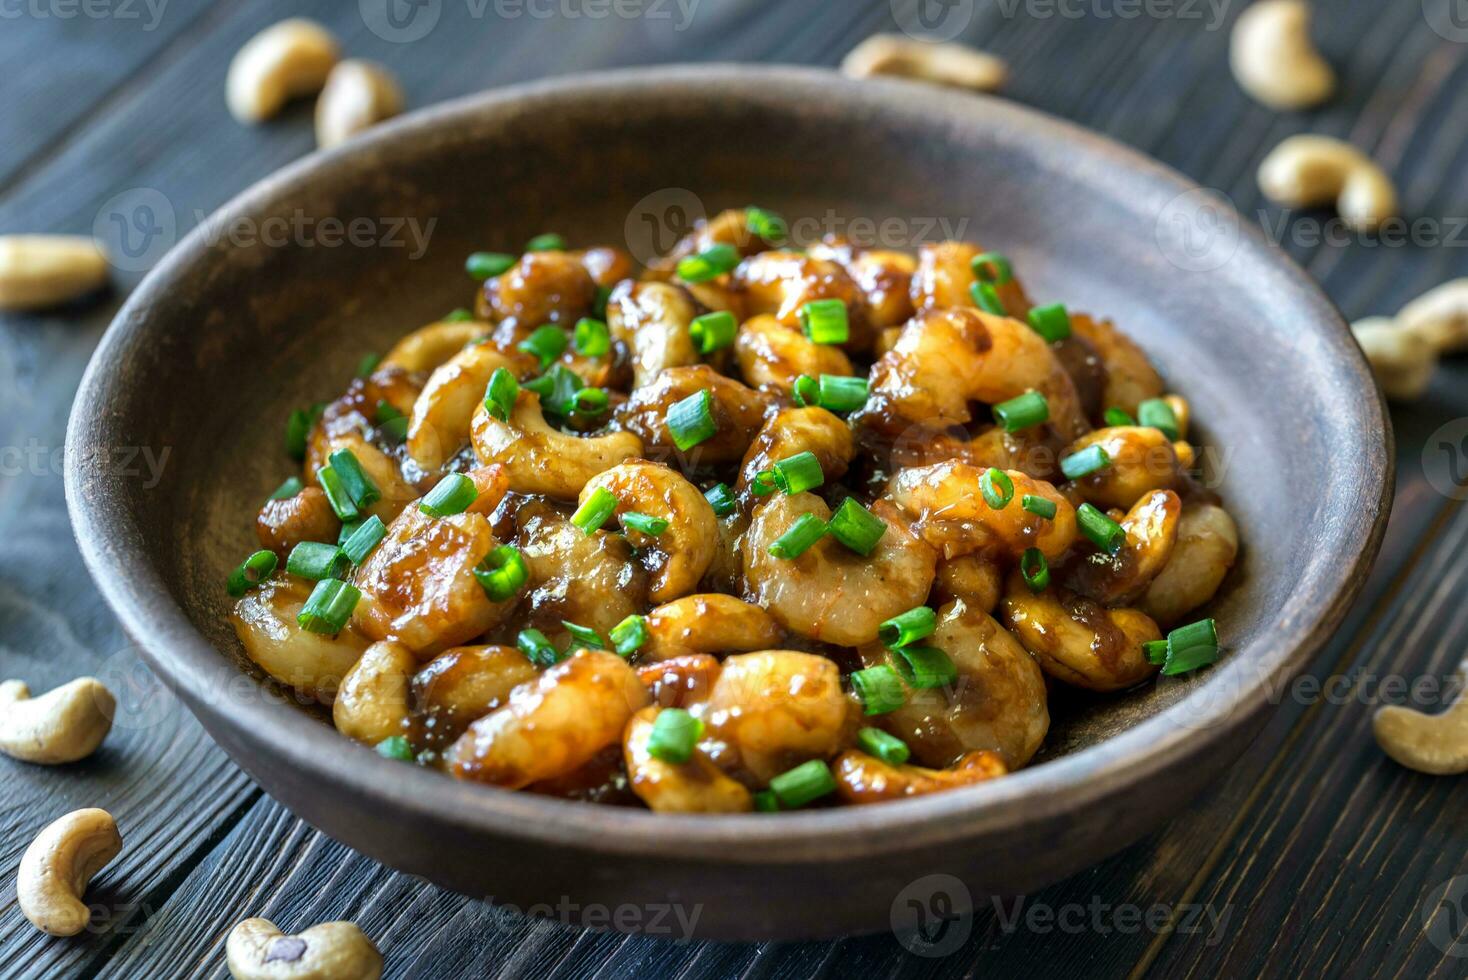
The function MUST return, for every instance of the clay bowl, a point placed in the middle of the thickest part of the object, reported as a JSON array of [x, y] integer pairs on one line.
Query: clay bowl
[[223, 339]]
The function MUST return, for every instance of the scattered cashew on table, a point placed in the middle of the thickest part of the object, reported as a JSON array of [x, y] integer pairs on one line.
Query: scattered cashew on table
[[1273, 58], [1434, 744], [1309, 170], [56, 868], [951, 64], [40, 271], [61, 726], [258, 950], [1404, 350]]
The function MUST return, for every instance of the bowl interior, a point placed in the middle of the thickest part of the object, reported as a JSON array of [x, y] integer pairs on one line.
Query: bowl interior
[[260, 313]]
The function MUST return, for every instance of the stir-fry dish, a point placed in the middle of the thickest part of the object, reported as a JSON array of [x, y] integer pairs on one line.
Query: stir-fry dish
[[754, 528]]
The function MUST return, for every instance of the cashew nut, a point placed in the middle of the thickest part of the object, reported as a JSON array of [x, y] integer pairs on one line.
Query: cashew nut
[[357, 96], [1402, 359], [285, 61], [1434, 744], [37, 271], [427, 347], [540, 459], [1273, 59], [1308, 171], [952, 64], [258, 950], [372, 703], [1440, 315], [63, 725], [57, 867]]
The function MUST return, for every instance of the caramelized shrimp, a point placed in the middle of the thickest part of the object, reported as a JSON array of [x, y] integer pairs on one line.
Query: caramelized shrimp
[[737, 411], [945, 277], [976, 579], [946, 506], [462, 685], [314, 664], [711, 623], [772, 355], [1130, 377], [1140, 459], [592, 580], [652, 319], [792, 431], [1151, 530], [285, 523], [682, 681], [543, 287], [1077, 640]]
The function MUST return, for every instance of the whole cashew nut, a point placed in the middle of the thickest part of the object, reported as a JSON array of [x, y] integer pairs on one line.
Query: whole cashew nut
[[37, 271], [1308, 171], [63, 725], [358, 95], [1440, 315], [56, 868], [285, 61], [1273, 58], [258, 950], [952, 64], [1402, 359], [1434, 744]]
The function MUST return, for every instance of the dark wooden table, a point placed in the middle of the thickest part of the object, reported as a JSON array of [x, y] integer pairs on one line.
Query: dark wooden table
[[1316, 856]]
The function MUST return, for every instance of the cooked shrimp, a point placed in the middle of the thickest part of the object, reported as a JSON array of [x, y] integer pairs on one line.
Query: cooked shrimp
[[439, 426], [606, 265], [792, 431], [543, 287], [1140, 459], [885, 281], [427, 347], [710, 623], [1077, 640], [592, 580], [462, 685], [997, 703], [285, 523], [680, 554], [682, 681], [540, 459], [729, 227], [780, 283], [945, 276], [1130, 377], [776, 709], [946, 506], [772, 355], [652, 319], [1207, 544], [314, 664], [552, 726], [830, 593], [695, 786], [1151, 530], [976, 579], [737, 411], [861, 778]]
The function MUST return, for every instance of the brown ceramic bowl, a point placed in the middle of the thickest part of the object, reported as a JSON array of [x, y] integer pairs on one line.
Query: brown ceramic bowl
[[222, 340]]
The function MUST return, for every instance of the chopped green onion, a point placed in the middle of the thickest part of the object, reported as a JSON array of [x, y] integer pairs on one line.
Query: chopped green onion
[[1117, 416], [349, 528], [487, 265], [763, 484], [1034, 569], [385, 412], [708, 264], [593, 339], [1190, 647], [549, 242], [889, 748], [251, 572], [454, 494], [856, 527], [547, 343], [691, 421], [1022, 412], [298, 428], [799, 473], [839, 393], [986, 298], [997, 488], [599, 304], [911, 626], [537, 648], [591, 402], [991, 267], [394, 430], [364, 492], [1051, 322], [713, 331], [879, 689], [924, 667], [1155, 651], [825, 321], [674, 735], [645, 523], [316, 561], [502, 572], [629, 635], [458, 315], [766, 224], [1039, 506], [1103, 532], [806, 531], [363, 539], [500, 394], [1158, 414], [395, 747], [807, 391], [557, 389], [804, 784], [584, 636], [595, 510], [337, 494], [721, 499], [766, 801], [288, 489], [1084, 463], [368, 364], [329, 606]]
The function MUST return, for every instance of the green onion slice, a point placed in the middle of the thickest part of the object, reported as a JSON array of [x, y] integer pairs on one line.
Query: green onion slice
[[1158, 414], [645, 523], [839, 393], [1034, 569], [691, 421], [337, 494], [1103, 532], [599, 304], [674, 735], [713, 331], [911, 626], [799, 473], [591, 402], [329, 606], [1090, 460], [1051, 322], [1117, 416], [365, 537], [458, 315], [355, 479], [1190, 647], [721, 499], [549, 242], [584, 636], [986, 298], [765, 801], [825, 321], [806, 531], [1022, 412], [251, 572], [298, 428], [806, 390], [766, 224], [368, 364], [454, 494], [593, 339], [856, 527], [889, 748], [500, 394], [316, 561], [396, 747], [629, 635], [804, 784], [487, 265], [537, 648], [997, 488], [288, 489], [879, 688], [1039, 506], [1155, 651], [763, 483], [595, 510], [502, 572], [924, 667], [546, 342], [708, 264], [992, 267]]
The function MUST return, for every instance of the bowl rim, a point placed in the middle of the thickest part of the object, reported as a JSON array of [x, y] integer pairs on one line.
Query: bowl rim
[[1228, 698]]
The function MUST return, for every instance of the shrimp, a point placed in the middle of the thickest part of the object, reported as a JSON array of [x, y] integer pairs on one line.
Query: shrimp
[[440, 423], [652, 319], [975, 579], [946, 506], [1140, 460], [552, 726], [543, 287], [606, 264], [737, 411], [779, 284], [591, 580], [540, 459], [729, 227], [776, 709], [861, 778], [885, 281], [682, 681], [695, 786], [711, 623], [1151, 530], [772, 355], [997, 703], [1207, 545], [314, 664], [285, 523], [945, 277], [1130, 377], [679, 555], [830, 593], [1077, 640], [792, 431], [462, 685]]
